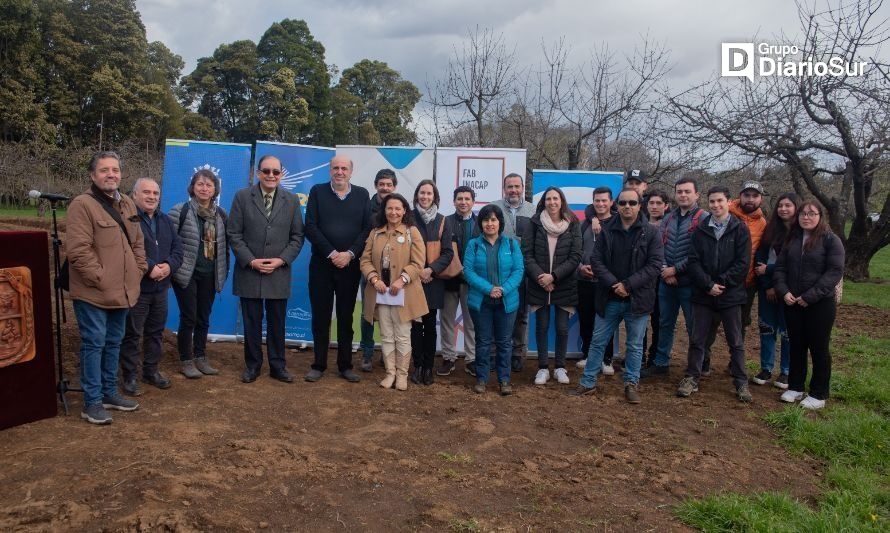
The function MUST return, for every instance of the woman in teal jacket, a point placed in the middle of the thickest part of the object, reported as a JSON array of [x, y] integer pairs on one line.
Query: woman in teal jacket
[[493, 268]]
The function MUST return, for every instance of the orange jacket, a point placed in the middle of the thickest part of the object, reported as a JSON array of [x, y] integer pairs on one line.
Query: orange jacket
[[756, 223]]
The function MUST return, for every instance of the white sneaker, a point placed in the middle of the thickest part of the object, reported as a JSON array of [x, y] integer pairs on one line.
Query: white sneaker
[[791, 396], [581, 363], [812, 403], [561, 376], [608, 370], [542, 377]]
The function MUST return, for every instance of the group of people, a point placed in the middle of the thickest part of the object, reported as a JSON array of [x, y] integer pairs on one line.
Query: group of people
[[643, 255]]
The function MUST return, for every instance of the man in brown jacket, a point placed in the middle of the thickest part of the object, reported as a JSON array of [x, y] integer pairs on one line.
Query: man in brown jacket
[[107, 261]]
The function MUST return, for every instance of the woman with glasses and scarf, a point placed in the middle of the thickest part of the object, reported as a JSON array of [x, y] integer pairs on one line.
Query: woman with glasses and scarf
[[202, 228]]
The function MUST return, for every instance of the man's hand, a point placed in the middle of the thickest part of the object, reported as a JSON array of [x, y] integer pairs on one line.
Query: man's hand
[[595, 225], [789, 299], [672, 281], [771, 295], [717, 289], [620, 290], [157, 273], [266, 266], [801, 302], [760, 269], [341, 259], [668, 272], [586, 271]]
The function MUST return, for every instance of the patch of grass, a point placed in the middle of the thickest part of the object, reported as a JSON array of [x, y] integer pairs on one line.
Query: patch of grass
[[851, 435], [27, 212], [455, 457], [470, 525], [877, 292]]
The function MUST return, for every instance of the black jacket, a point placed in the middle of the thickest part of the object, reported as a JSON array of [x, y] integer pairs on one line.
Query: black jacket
[[536, 254], [811, 275], [435, 290], [161, 247], [459, 237], [724, 262], [646, 260]]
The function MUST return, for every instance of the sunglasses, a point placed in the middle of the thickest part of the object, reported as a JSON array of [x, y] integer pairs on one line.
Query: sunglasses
[[631, 203], [272, 171]]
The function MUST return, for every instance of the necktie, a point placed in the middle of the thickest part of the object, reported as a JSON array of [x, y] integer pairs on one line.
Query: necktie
[[268, 201]]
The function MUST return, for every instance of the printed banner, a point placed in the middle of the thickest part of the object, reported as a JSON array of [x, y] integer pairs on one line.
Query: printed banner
[[411, 165], [481, 169], [231, 163], [578, 186], [303, 167]]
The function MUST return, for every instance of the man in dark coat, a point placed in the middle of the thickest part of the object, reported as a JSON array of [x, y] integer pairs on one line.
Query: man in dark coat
[[163, 253], [718, 264], [338, 219], [626, 260], [265, 232]]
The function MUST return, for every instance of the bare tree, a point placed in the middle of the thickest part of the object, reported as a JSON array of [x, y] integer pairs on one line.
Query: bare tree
[[478, 76], [825, 129]]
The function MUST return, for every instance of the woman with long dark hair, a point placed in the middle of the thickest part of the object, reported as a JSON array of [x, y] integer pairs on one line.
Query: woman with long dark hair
[[807, 274], [392, 261], [435, 229], [552, 251], [205, 264], [770, 309]]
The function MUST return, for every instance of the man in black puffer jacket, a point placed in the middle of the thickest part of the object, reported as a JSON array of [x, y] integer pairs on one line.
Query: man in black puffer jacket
[[626, 260], [718, 264]]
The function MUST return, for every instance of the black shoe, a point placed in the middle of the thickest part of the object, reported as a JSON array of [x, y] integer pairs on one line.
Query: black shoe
[[313, 375], [157, 379], [516, 364], [654, 371], [417, 376], [706, 368], [131, 387], [367, 365], [764, 377], [350, 376], [282, 375], [470, 368], [428, 376], [446, 369], [582, 391], [248, 376]]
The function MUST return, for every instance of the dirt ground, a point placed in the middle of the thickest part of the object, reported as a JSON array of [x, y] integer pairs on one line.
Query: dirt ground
[[216, 454]]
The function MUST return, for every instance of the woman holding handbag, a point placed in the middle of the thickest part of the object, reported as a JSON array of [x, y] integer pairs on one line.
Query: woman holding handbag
[[435, 230], [392, 261]]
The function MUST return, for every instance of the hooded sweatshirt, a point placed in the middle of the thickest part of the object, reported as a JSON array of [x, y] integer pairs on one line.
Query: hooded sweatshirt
[[756, 224]]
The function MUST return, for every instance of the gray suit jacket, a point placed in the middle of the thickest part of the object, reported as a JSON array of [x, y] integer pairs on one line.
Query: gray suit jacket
[[252, 235]]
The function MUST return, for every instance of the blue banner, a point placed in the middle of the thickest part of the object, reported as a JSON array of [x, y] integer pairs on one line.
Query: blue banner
[[231, 163], [303, 167], [578, 186]]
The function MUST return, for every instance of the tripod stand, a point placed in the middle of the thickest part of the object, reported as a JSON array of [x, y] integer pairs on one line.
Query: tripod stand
[[62, 387]]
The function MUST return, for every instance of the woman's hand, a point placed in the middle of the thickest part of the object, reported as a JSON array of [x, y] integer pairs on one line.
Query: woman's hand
[[496, 292], [379, 286], [397, 285], [426, 275], [771, 295], [760, 269], [545, 279]]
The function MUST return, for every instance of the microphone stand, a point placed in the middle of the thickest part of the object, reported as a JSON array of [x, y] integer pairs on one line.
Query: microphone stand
[[62, 387]]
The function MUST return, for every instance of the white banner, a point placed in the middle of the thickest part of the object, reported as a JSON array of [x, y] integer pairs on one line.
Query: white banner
[[481, 169], [411, 165]]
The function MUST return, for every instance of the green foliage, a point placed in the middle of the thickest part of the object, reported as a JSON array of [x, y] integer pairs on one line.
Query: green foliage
[[851, 435], [387, 101]]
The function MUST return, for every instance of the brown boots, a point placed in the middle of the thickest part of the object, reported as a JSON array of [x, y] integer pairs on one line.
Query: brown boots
[[403, 361], [389, 360]]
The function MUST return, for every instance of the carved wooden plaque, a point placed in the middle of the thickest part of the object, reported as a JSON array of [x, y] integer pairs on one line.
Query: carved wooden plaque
[[16, 316]]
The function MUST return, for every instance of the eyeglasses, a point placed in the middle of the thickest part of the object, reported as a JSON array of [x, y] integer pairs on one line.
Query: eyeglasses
[[272, 171], [631, 203], [809, 214]]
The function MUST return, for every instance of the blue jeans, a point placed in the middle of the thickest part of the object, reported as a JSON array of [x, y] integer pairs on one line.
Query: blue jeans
[[772, 325], [605, 327], [670, 300], [101, 331], [493, 326]]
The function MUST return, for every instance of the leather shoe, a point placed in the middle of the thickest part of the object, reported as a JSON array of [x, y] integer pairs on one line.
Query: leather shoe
[[249, 376], [313, 375], [157, 379], [131, 387], [350, 376], [515, 364], [282, 375]]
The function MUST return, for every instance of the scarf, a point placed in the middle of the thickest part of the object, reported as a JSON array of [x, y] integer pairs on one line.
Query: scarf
[[427, 214], [554, 229], [208, 215]]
